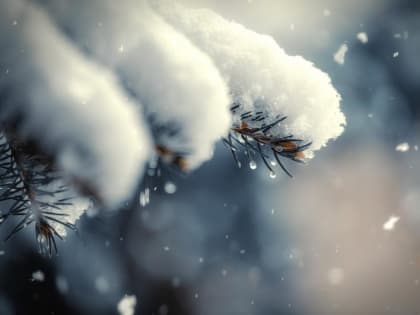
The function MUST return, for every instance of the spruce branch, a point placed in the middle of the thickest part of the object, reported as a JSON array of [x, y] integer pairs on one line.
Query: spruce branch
[[260, 140], [32, 191]]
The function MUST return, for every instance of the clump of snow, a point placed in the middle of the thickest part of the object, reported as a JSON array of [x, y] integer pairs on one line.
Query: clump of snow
[[395, 54], [262, 77], [362, 37], [126, 305], [389, 225], [72, 107], [184, 96], [340, 54], [402, 147]]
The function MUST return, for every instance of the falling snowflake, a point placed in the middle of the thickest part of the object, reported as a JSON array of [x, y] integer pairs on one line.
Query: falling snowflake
[[402, 147], [126, 305], [389, 225]]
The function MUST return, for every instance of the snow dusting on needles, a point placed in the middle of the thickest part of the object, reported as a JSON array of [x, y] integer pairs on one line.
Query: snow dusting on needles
[[263, 80], [340, 54], [127, 305]]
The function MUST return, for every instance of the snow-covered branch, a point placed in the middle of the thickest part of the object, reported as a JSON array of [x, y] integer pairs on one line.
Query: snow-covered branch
[[90, 91], [266, 84], [185, 97], [73, 108]]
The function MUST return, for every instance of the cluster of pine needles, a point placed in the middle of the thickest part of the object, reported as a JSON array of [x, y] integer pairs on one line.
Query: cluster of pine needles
[[28, 180], [261, 141], [25, 179]]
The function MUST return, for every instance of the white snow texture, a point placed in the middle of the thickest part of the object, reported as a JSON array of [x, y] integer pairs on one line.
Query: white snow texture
[[86, 79], [182, 91], [262, 77], [72, 106]]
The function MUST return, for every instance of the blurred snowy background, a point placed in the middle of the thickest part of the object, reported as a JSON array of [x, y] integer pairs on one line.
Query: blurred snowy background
[[342, 237]]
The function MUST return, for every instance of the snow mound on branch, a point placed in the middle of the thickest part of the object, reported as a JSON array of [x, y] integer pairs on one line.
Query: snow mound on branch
[[183, 93], [72, 107], [262, 77]]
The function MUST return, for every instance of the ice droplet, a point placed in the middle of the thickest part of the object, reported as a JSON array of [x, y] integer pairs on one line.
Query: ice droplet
[[273, 175]]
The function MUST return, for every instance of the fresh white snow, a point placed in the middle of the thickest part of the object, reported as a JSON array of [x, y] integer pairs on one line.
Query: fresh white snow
[[262, 77], [72, 106], [184, 96]]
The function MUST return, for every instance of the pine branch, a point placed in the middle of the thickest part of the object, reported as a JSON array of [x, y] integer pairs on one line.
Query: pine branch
[[261, 141], [29, 192]]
